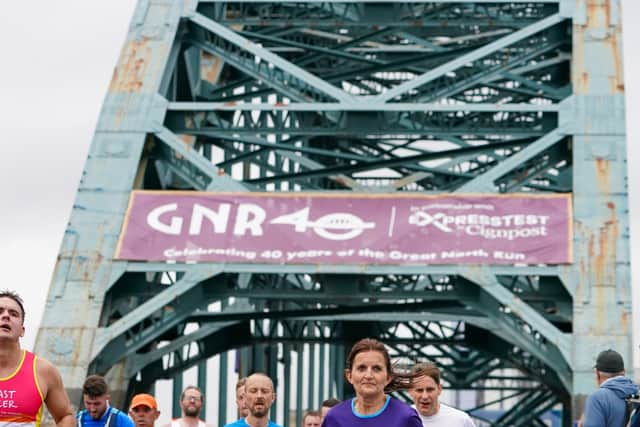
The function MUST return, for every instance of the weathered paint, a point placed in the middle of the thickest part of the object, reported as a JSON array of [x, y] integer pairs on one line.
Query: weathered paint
[[129, 75], [602, 306], [597, 50], [210, 67]]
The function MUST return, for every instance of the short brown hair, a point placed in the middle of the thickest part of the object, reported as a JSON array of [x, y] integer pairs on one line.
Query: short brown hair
[[95, 386], [311, 414], [426, 369], [6, 293], [192, 387], [241, 382]]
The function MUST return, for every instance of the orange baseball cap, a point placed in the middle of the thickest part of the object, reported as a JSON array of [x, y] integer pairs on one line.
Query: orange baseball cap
[[144, 399]]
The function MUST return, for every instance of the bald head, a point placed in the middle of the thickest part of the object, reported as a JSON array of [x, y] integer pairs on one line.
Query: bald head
[[259, 378], [259, 395]]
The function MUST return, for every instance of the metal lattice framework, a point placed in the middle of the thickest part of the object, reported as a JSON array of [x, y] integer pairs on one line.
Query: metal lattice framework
[[378, 97]]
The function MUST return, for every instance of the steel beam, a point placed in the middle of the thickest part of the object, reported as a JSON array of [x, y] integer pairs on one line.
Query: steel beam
[[472, 56], [293, 72]]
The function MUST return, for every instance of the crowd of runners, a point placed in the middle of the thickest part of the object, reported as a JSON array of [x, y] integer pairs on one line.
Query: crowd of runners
[[29, 383]]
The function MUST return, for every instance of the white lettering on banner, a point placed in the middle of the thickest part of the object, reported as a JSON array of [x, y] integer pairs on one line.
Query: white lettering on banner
[[197, 252], [510, 234], [249, 219], [368, 253], [463, 254], [511, 256], [7, 399], [411, 257], [346, 228], [308, 254], [487, 226], [153, 219], [334, 226], [219, 219]]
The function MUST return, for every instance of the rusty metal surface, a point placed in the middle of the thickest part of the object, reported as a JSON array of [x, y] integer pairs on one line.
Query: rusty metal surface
[[602, 306]]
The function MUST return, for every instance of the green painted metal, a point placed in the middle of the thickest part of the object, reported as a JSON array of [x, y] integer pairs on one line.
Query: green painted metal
[[288, 368], [299, 384], [370, 96], [322, 389], [177, 386], [273, 373], [312, 385], [202, 383]]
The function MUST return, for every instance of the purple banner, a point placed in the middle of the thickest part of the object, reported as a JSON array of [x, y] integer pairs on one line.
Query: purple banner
[[349, 228]]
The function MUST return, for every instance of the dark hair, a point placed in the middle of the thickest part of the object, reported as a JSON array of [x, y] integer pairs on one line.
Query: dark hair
[[192, 387], [399, 380], [329, 403], [6, 293], [311, 414], [426, 370], [95, 386]]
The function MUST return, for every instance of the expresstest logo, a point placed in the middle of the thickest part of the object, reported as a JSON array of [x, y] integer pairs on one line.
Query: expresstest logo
[[507, 227], [438, 220]]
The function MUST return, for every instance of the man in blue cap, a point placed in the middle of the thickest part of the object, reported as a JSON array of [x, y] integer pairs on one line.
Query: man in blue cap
[[606, 407]]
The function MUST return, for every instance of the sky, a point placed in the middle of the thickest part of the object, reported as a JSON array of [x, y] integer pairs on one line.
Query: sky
[[58, 61]]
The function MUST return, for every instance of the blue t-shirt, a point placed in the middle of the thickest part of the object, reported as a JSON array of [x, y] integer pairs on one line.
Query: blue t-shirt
[[242, 423], [394, 413], [115, 418]]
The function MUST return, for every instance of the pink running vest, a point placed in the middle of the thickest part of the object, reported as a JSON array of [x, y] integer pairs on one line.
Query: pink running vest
[[20, 396]]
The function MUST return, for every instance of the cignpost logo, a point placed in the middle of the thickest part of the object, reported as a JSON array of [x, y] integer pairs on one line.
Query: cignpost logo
[[503, 227]]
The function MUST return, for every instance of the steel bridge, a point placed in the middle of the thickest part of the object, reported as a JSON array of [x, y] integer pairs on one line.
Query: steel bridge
[[371, 97]]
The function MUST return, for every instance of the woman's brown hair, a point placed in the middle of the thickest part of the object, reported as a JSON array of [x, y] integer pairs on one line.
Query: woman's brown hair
[[399, 380]]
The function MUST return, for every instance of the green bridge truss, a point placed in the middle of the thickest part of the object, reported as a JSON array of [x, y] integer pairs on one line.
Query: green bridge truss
[[374, 97]]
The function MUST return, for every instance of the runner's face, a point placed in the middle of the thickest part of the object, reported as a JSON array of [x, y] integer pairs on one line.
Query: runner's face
[[11, 326], [312, 421], [425, 393], [191, 403], [240, 402], [369, 375], [259, 395], [96, 405], [144, 416]]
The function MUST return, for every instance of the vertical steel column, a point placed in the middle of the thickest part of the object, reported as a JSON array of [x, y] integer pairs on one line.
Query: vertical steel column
[[272, 370], [340, 380], [322, 389], [202, 383], [245, 361], [257, 358], [286, 358], [600, 274], [333, 372], [222, 387], [176, 410], [312, 386], [299, 388]]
